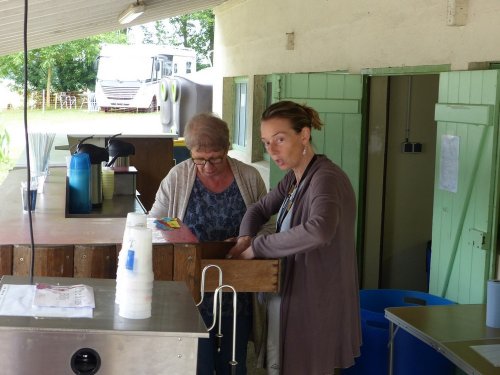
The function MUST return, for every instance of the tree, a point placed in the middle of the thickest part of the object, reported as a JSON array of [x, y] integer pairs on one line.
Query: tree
[[61, 67], [195, 30]]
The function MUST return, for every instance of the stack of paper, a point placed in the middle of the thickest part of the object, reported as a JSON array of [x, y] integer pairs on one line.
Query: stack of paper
[[490, 352], [44, 300]]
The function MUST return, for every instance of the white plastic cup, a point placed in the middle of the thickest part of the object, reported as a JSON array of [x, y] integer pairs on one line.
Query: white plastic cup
[[134, 284], [134, 219], [135, 296], [135, 260], [139, 255], [144, 312], [124, 324], [136, 302]]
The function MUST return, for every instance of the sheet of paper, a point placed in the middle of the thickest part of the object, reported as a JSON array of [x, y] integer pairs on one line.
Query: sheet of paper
[[17, 300], [449, 166], [47, 295], [490, 352]]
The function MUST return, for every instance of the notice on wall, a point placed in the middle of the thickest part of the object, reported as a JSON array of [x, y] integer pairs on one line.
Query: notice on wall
[[448, 169]]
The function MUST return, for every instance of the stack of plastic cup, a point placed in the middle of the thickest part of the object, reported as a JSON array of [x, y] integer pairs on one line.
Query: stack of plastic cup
[[134, 220], [136, 278], [108, 182]]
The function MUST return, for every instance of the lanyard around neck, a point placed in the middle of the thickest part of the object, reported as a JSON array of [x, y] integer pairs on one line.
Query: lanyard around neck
[[290, 198]]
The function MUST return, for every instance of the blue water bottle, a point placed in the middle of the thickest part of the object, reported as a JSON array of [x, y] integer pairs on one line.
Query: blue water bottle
[[79, 184]]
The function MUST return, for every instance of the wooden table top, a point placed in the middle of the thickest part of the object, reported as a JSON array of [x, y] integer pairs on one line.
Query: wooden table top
[[446, 322], [452, 330], [51, 227]]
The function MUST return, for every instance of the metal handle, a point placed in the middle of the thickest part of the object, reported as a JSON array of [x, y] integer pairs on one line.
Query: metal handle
[[218, 291], [202, 292]]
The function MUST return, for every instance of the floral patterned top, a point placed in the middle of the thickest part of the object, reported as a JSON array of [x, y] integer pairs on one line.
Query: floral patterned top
[[217, 217], [214, 216]]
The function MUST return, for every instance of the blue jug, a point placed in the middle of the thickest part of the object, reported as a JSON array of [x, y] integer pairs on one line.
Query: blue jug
[[79, 184]]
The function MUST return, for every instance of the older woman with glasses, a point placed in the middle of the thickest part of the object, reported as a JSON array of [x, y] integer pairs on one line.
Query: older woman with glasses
[[210, 194]]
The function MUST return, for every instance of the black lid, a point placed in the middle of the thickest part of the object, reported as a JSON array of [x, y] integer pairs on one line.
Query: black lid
[[120, 148], [96, 154]]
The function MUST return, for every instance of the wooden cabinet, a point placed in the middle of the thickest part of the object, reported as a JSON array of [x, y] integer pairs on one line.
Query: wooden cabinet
[[178, 262]]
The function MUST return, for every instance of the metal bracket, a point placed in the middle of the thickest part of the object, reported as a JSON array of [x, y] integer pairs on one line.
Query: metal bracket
[[478, 239]]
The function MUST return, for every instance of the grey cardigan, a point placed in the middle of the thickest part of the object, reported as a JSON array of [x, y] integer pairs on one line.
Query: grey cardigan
[[320, 317]]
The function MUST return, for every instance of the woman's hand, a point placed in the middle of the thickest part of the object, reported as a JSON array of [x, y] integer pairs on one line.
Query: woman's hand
[[242, 244], [247, 254]]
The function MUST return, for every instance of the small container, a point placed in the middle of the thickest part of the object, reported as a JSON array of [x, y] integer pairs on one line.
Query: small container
[[41, 181], [108, 182], [32, 195], [79, 184]]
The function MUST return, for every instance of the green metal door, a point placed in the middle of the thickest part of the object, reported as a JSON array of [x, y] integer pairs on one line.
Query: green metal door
[[338, 99], [464, 226]]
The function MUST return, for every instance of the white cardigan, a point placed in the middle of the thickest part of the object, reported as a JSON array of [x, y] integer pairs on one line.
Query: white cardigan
[[173, 194]]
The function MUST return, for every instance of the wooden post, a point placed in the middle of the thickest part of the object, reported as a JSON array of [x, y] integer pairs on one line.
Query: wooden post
[[95, 261], [163, 262], [187, 259], [54, 261], [6, 259]]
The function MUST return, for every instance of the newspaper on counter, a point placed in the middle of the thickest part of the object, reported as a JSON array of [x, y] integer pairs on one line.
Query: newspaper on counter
[[18, 300], [68, 296]]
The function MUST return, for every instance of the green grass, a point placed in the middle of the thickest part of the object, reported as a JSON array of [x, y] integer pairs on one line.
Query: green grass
[[63, 116], [61, 120]]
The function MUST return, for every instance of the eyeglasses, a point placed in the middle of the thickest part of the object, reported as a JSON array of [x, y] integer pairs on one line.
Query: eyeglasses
[[213, 161]]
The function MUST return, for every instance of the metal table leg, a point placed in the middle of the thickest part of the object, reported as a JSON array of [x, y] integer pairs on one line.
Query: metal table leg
[[391, 347]]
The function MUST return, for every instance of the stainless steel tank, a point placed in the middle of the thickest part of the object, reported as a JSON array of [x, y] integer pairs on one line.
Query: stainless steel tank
[[106, 344]]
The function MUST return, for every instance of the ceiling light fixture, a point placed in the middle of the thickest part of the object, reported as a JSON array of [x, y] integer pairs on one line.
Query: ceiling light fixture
[[132, 12]]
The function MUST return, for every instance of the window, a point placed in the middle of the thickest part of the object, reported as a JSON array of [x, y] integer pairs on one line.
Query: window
[[240, 113], [167, 67], [188, 66], [175, 68]]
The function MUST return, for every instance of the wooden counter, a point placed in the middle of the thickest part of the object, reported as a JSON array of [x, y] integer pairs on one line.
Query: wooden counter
[[88, 247], [50, 227]]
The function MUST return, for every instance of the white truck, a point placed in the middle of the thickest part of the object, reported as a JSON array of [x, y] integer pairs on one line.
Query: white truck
[[128, 76]]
